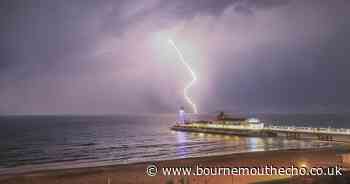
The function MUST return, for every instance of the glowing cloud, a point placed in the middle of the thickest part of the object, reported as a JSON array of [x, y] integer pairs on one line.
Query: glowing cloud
[[191, 83]]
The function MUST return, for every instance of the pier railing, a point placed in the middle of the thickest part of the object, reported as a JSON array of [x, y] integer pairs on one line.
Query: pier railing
[[309, 129], [335, 131]]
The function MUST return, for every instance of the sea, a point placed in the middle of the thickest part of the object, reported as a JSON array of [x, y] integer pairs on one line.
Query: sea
[[33, 143]]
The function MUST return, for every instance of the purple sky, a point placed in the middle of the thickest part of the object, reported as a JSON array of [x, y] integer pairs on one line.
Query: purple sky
[[97, 57]]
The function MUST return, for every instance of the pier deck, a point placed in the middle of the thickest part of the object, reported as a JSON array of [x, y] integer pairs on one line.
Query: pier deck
[[290, 132]]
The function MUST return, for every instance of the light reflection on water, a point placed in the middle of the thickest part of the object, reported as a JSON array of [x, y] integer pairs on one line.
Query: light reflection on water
[[74, 141]]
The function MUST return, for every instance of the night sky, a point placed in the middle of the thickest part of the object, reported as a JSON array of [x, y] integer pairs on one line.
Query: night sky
[[102, 57]]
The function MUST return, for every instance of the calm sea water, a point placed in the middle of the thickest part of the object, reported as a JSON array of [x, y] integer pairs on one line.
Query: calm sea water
[[30, 143]]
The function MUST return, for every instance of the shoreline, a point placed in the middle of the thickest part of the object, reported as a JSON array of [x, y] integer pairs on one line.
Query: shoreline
[[48, 167], [135, 172]]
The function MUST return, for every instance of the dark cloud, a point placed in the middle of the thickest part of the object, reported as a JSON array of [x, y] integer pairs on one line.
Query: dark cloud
[[98, 57], [190, 8], [267, 3]]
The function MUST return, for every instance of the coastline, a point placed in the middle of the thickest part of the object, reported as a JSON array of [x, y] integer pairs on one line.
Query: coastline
[[136, 172]]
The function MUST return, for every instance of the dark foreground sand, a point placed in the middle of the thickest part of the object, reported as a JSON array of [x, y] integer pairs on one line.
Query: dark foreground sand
[[135, 173]]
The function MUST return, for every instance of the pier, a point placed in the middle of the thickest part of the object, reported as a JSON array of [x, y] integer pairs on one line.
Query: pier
[[288, 132]]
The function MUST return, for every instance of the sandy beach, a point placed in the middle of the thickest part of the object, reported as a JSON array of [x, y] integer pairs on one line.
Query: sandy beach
[[136, 173]]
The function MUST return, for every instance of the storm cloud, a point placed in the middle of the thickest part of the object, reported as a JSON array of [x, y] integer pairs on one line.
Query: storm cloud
[[99, 56]]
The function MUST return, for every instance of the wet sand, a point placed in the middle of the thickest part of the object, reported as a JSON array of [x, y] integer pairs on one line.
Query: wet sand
[[136, 173]]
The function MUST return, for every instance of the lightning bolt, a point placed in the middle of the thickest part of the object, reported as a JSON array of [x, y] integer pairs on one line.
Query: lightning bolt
[[194, 77]]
